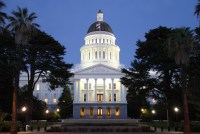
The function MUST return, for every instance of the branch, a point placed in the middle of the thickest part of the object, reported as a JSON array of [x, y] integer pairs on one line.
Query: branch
[[37, 78]]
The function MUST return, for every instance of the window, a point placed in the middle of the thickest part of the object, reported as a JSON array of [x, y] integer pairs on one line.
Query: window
[[54, 100], [84, 97], [114, 85], [89, 55], [92, 41], [46, 98], [82, 112], [91, 112], [110, 97], [110, 55], [99, 112], [103, 40], [96, 40], [117, 112], [109, 85], [99, 97], [90, 85], [37, 87], [108, 112], [115, 97], [96, 55], [104, 55], [99, 54], [85, 85]]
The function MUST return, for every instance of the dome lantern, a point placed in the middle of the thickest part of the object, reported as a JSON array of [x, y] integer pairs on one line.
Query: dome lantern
[[100, 16]]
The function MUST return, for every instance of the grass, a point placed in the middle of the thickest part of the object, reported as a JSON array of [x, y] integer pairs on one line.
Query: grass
[[41, 124]]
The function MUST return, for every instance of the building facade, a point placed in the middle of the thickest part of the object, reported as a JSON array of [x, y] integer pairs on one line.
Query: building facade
[[42, 92], [97, 90]]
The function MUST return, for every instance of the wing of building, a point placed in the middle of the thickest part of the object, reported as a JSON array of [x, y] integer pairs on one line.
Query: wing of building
[[97, 90]]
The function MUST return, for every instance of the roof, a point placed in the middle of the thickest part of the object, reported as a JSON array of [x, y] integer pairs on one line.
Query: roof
[[100, 26]]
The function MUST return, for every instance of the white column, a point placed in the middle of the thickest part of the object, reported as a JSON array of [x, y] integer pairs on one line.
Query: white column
[[95, 91], [124, 93], [87, 89], [121, 92], [104, 90], [78, 99], [75, 91], [112, 85]]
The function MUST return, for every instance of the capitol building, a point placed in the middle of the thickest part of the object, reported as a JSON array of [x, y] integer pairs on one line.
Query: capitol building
[[97, 90]]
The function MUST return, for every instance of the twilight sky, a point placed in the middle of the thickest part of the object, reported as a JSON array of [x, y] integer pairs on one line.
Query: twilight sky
[[67, 21]]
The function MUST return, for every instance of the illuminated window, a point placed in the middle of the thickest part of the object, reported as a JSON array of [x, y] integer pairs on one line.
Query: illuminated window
[[117, 112], [99, 112], [54, 100], [99, 97], [115, 96], [37, 87], [82, 112], [108, 112], [114, 85], [84, 97], [109, 97], [91, 112], [46, 100]]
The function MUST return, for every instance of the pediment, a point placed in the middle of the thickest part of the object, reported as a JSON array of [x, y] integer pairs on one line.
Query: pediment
[[99, 69]]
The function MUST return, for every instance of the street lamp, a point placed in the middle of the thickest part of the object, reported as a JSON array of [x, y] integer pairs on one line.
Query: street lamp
[[24, 109], [153, 112], [176, 110], [57, 110], [47, 111]]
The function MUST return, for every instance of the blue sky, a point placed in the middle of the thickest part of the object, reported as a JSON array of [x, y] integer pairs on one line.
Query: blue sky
[[68, 20]]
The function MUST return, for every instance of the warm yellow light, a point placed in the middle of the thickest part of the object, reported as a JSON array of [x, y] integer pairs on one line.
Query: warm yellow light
[[142, 110], [37, 87], [46, 100], [54, 100], [47, 111], [24, 109], [153, 111], [176, 109]]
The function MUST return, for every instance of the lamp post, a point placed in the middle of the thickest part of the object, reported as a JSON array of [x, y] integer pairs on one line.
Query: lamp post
[[47, 111], [153, 113], [24, 109], [176, 110]]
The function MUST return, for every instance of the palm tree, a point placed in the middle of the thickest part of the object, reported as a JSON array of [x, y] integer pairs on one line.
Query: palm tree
[[180, 46], [2, 16], [21, 23], [197, 10]]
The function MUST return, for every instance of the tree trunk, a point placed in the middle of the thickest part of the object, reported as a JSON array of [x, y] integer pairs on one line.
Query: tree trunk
[[13, 129], [184, 89]]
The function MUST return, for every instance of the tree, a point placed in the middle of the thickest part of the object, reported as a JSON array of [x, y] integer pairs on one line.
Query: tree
[[2, 16], [137, 81], [38, 105], [180, 47], [44, 60], [66, 103], [197, 10], [7, 60], [20, 23], [151, 55]]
